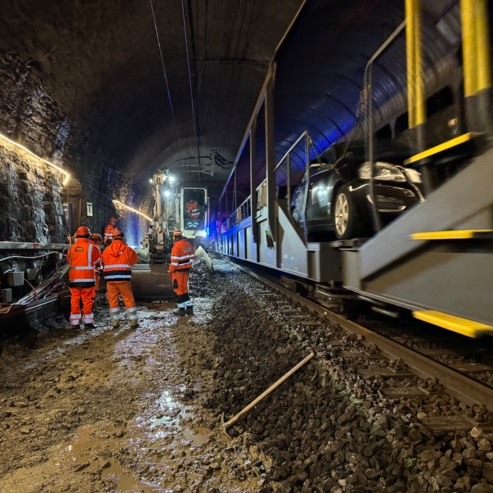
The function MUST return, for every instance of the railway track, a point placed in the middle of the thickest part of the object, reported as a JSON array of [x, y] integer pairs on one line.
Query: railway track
[[452, 387]]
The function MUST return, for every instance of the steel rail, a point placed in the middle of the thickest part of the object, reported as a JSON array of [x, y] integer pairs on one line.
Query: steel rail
[[464, 388]]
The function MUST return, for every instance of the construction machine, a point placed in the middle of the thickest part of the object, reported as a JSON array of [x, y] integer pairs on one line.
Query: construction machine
[[185, 208]]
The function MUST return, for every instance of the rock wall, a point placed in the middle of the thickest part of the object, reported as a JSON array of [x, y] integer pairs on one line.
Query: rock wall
[[31, 206], [30, 192]]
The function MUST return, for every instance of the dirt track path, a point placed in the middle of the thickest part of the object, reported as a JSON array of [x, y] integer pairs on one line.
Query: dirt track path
[[107, 411]]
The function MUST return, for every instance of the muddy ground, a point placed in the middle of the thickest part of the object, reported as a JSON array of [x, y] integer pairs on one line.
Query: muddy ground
[[140, 411]]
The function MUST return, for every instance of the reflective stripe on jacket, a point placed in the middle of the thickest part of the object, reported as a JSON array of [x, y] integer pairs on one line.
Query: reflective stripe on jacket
[[108, 233], [98, 262], [118, 259], [82, 257], [182, 256]]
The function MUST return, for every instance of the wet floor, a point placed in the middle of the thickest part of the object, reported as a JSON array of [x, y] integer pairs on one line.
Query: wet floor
[[109, 411]]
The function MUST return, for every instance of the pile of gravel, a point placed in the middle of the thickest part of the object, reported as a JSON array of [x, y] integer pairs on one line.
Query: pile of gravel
[[326, 429]]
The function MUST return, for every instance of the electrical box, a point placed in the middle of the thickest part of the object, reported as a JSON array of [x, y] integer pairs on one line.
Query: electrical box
[[15, 278], [89, 209], [6, 295], [32, 274]]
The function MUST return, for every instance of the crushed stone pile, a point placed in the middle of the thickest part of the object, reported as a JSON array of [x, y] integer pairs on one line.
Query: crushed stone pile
[[325, 429]]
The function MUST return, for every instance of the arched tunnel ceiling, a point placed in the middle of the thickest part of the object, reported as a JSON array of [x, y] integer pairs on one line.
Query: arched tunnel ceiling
[[100, 61]]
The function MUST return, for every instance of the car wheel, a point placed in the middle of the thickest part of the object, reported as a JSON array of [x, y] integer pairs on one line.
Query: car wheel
[[346, 220]]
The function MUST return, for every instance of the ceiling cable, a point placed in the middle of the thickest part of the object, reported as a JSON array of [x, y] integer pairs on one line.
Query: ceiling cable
[[165, 76], [191, 86]]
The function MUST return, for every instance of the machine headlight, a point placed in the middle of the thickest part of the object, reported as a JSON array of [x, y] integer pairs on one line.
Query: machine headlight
[[384, 172]]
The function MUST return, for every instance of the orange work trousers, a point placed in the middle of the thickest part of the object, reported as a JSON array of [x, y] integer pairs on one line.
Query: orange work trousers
[[123, 289], [86, 296], [180, 287]]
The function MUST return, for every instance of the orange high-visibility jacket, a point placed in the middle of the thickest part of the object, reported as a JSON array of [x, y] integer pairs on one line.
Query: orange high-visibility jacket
[[82, 256], [99, 262], [108, 233], [193, 209], [182, 256], [118, 259]]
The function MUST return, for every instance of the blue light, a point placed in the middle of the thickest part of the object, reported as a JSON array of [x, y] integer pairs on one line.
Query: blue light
[[207, 231]]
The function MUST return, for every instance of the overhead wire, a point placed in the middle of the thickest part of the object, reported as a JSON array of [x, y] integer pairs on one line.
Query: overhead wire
[[165, 76], [191, 87]]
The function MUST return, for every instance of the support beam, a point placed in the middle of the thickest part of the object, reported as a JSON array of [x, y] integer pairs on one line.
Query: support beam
[[270, 158], [477, 68], [253, 188], [415, 83]]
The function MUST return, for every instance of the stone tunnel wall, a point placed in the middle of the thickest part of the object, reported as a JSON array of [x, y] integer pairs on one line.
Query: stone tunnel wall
[[31, 193], [31, 206]]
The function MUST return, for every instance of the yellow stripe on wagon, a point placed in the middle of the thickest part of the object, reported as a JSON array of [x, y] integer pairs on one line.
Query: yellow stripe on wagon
[[463, 234], [462, 326], [442, 147]]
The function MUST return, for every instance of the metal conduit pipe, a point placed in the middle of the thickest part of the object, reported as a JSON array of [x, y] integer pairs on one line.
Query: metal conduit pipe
[[14, 257]]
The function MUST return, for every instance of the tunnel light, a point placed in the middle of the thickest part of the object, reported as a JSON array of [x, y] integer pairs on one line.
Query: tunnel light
[[171, 178], [166, 193], [131, 209], [67, 175], [150, 181]]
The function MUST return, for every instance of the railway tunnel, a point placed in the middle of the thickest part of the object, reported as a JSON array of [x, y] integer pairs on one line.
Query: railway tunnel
[[329, 163]]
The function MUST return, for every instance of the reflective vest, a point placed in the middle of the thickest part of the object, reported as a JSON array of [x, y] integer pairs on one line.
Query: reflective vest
[[193, 209], [182, 256], [99, 262], [108, 233], [118, 259], [82, 257]]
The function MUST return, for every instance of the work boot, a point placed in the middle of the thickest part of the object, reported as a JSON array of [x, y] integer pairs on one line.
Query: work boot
[[115, 324], [89, 326], [180, 312], [189, 310], [134, 324]]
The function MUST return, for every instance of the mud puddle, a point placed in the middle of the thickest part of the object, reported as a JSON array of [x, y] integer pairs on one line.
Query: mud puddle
[[112, 411]]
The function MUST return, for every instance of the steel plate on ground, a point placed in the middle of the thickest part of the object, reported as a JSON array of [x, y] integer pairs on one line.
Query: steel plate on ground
[[152, 283]]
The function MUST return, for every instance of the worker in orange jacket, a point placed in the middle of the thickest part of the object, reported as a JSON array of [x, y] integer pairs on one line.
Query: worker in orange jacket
[[109, 231], [97, 240], [193, 210], [82, 256], [118, 259], [182, 257]]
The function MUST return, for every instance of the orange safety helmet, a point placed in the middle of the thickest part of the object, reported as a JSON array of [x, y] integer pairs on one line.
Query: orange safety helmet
[[96, 237], [117, 234], [82, 232], [112, 220], [177, 233]]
